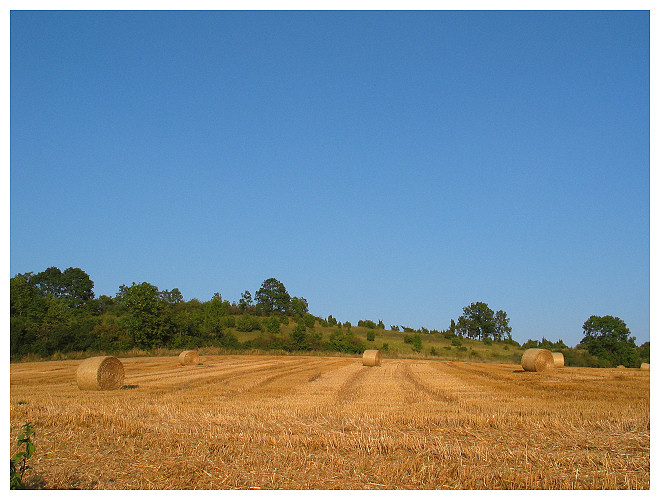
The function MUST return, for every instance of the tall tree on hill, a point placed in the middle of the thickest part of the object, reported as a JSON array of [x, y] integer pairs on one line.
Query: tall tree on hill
[[477, 321], [272, 296], [502, 328]]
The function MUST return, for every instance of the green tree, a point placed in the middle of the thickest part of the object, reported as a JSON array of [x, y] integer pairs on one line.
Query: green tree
[[77, 287], [299, 306], [417, 342], [172, 297], [272, 296], [609, 339], [272, 324], [299, 338], [246, 301], [502, 328], [214, 313], [477, 321], [644, 352], [73, 285], [145, 322]]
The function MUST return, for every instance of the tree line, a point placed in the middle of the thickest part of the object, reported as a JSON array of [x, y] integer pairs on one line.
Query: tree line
[[54, 311], [57, 311]]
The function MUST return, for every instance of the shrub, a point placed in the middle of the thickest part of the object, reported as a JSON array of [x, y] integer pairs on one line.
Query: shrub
[[299, 339], [272, 324], [433, 352], [417, 342], [371, 335], [344, 342], [18, 463], [309, 320], [456, 342], [385, 347], [247, 323], [487, 341]]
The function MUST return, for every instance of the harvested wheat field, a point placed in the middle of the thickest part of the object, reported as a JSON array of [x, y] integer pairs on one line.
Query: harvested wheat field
[[293, 422]]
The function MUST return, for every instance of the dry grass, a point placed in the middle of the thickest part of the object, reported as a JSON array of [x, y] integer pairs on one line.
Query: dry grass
[[331, 423]]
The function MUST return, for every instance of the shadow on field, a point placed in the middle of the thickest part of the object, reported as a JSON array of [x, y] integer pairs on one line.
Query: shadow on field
[[124, 387]]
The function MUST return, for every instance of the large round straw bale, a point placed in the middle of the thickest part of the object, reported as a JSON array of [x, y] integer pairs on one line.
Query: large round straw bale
[[621, 366], [101, 373], [559, 359], [537, 360], [188, 358], [645, 366], [371, 357]]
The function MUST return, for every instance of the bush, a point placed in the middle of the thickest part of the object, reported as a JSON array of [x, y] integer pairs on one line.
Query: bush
[[487, 341], [272, 324], [230, 341], [456, 342], [371, 335], [344, 342], [309, 320], [433, 352], [408, 339], [417, 342], [299, 339], [385, 347], [247, 323]]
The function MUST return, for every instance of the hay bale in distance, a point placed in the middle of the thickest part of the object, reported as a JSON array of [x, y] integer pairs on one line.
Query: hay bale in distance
[[101, 373], [621, 366], [188, 358], [371, 357], [645, 366], [559, 359], [537, 360]]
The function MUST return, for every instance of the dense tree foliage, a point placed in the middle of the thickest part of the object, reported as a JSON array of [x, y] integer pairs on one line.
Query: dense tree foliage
[[272, 296], [480, 322], [57, 312], [608, 338]]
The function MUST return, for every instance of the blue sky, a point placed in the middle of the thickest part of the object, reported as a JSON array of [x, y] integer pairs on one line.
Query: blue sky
[[383, 165]]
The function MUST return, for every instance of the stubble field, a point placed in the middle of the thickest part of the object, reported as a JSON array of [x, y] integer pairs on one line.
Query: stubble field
[[297, 422]]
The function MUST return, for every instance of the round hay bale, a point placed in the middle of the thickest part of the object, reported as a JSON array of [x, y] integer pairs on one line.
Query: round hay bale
[[645, 366], [371, 357], [537, 360], [101, 373], [559, 359], [621, 366], [188, 358]]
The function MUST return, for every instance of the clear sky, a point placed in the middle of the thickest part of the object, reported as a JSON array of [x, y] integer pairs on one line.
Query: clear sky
[[383, 165]]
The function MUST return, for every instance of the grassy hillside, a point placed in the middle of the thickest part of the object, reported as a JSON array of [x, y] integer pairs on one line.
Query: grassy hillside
[[434, 346]]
